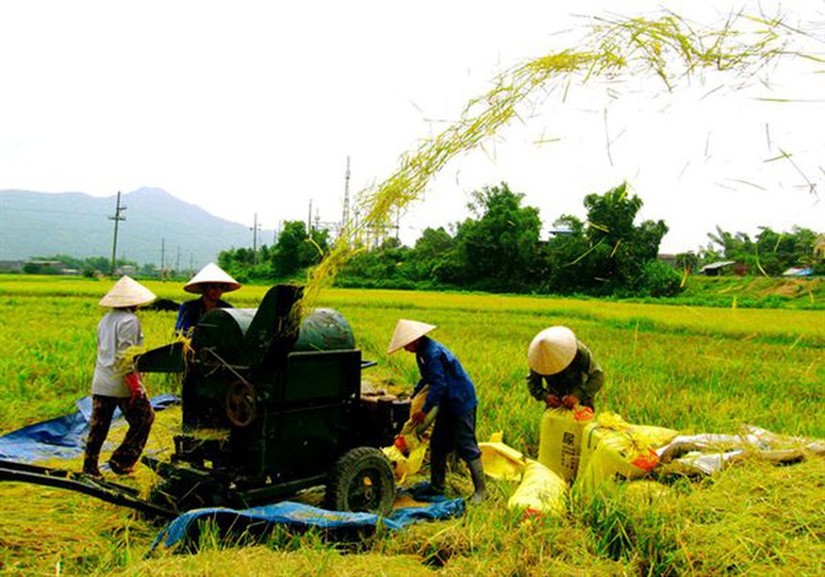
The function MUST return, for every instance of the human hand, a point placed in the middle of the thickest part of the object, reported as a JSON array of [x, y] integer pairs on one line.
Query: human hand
[[401, 444], [135, 387], [570, 401], [552, 401]]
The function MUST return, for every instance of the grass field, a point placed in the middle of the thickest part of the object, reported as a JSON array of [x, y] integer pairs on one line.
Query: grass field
[[696, 369]]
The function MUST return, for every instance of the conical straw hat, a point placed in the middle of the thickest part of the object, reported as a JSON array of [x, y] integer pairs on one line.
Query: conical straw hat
[[406, 332], [127, 292], [552, 350], [209, 274]]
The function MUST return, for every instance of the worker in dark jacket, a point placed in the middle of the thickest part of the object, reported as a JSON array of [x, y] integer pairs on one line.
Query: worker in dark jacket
[[563, 371], [210, 282], [450, 405]]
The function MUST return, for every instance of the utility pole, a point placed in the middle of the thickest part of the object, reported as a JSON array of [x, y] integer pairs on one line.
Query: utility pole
[[345, 215], [162, 257], [255, 228], [309, 218], [117, 218]]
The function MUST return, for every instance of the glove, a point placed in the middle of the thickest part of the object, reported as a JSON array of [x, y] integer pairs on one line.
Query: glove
[[570, 401], [401, 444], [552, 401], [134, 385], [418, 417]]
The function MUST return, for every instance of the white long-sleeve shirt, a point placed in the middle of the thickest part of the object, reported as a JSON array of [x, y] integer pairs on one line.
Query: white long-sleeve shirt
[[118, 330]]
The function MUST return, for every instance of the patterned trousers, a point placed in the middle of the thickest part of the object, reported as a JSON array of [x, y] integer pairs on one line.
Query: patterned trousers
[[140, 416]]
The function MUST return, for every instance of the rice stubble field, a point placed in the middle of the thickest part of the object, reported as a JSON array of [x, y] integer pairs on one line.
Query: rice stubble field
[[695, 369]]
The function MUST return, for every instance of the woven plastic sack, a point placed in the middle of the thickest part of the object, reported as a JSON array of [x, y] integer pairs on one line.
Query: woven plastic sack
[[560, 439], [411, 459], [406, 464], [500, 461], [541, 492], [612, 447]]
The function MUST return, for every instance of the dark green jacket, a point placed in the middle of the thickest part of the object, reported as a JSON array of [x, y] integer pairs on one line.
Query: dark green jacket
[[583, 377]]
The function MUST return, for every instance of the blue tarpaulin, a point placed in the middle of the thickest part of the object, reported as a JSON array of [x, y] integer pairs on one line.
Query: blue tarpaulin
[[61, 438], [65, 437], [258, 521]]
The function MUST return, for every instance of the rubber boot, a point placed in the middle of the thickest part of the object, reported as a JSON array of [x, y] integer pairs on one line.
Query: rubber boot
[[438, 475], [90, 467], [477, 474]]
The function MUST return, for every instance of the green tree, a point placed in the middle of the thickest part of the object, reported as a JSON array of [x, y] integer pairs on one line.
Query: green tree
[[776, 252], [498, 251], [296, 250], [569, 271], [314, 248], [431, 254], [237, 262], [286, 254], [386, 265], [610, 254], [770, 253]]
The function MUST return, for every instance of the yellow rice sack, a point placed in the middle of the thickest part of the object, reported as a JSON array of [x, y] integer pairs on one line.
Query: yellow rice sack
[[501, 461], [541, 492], [611, 447], [408, 464], [560, 439]]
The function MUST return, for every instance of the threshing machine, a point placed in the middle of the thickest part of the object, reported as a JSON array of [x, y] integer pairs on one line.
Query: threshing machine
[[272, 404]]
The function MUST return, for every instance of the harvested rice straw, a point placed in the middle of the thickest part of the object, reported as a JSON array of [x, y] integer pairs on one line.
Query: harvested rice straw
[[669, 48], [127, 360]]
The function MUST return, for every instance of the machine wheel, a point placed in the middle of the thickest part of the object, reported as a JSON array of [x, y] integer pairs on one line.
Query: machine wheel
[[362, 480], [240, 403]]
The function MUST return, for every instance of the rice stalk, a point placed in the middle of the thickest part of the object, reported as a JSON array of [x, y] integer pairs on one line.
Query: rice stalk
[[669, 47]]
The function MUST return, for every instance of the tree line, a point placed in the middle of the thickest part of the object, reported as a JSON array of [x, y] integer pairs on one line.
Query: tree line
[[499, 248]]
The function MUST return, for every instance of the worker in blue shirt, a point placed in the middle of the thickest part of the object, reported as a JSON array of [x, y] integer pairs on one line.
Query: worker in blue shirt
[[450, 405], [210, 283]]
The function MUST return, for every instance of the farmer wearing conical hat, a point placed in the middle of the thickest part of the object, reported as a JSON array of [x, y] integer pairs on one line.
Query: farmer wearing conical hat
[[114, 386], [450, 405], [562, 369], [210, 283]]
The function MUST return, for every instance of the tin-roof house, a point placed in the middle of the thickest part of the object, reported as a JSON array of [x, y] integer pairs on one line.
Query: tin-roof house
[[715, 268]]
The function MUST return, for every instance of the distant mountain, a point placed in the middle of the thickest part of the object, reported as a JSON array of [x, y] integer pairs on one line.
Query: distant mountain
[[157, 227]]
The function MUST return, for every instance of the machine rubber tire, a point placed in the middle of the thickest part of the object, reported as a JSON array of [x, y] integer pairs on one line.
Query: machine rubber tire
[[361, 481]]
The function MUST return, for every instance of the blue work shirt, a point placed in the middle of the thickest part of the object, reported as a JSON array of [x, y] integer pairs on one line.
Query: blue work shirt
[[450, 386], [190, 313]]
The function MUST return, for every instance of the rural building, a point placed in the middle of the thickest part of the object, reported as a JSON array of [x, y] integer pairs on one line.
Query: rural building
[[716, 268], [670, 259], [35, 266], [797, 271], [11, 265]]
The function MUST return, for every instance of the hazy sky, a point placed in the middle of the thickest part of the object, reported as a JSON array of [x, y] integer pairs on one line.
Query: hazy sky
[[251, 107]]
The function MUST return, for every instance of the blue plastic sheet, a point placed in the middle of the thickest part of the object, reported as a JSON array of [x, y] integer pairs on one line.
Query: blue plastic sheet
[[65, 437], [61, 438], [260, 520]]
